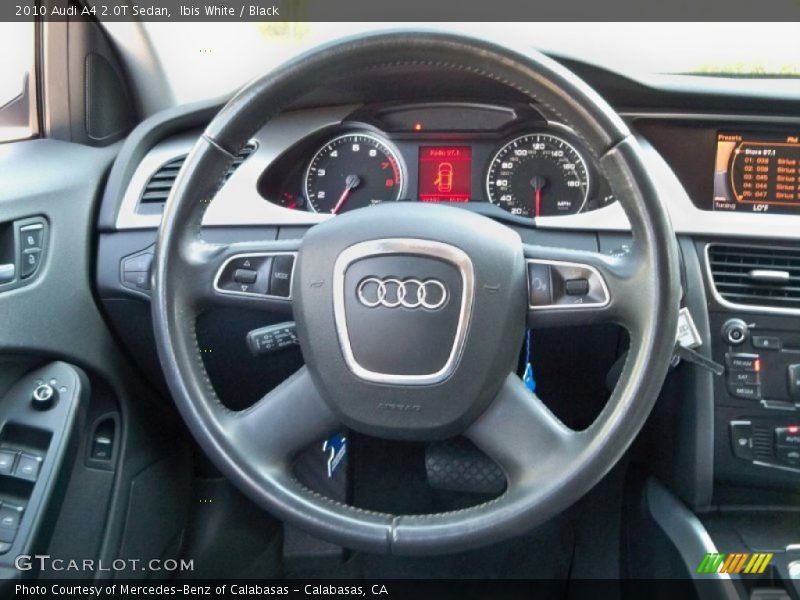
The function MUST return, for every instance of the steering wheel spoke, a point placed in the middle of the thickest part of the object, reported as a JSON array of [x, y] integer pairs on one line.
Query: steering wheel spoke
[[285, 421], [254, 274], [576, 287], [521, 434]]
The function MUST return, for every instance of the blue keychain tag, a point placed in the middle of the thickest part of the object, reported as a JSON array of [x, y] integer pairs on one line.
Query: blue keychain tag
[[527, 376], [335, 447]]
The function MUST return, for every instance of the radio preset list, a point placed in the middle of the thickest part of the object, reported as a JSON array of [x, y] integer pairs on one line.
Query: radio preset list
[[757, 173]]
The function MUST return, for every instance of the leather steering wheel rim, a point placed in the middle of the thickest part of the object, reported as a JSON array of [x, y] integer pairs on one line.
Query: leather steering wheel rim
[[548, 466]]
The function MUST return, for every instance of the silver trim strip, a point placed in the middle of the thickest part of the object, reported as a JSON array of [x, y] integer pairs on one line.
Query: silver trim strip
[[779, 467], [218, 274], [792, 548], [733, 305], [778, 405], [557, 263], [769, 275], [438, 250]]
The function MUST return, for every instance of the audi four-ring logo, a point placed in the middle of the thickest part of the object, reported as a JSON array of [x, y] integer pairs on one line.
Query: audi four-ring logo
[[408, 293]]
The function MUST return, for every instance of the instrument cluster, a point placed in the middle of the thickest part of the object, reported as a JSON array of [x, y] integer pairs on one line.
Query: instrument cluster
[[510, 158]]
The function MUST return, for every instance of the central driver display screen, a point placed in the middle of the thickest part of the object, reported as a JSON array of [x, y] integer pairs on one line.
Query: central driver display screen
[[445, 173], [757, 173]]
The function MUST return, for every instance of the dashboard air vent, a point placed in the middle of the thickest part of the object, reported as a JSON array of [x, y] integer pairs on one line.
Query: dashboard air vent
[[243, 155], [756, 276], [161, 182]]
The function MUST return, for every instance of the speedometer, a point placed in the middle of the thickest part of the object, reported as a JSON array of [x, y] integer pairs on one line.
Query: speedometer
[[352, 171], [538, 174]]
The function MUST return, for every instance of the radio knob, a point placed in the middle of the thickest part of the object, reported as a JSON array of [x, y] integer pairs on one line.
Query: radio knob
[[734, 331]]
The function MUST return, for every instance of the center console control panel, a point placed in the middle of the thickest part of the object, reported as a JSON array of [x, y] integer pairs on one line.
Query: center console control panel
[[761, 364], [758, 398], [769, 442]]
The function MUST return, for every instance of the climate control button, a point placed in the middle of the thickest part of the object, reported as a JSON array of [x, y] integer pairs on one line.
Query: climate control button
[[793, 373], [788, 436], [788, 456], [742, 439]]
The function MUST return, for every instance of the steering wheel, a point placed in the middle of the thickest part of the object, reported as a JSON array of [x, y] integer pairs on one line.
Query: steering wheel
[[436, 359]]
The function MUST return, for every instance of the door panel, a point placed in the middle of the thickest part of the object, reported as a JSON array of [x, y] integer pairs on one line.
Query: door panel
[[52, 316]]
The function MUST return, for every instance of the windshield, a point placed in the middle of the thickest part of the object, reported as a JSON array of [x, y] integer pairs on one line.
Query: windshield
[[229, 54]]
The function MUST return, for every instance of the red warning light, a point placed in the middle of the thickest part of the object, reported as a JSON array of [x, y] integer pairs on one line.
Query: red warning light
[[793, 429]]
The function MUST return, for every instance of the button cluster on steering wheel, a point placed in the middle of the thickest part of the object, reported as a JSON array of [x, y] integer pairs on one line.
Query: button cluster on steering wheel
[[266, 275]]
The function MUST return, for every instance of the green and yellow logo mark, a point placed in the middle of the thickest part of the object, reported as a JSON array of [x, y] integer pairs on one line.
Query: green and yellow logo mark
[[740, 562]]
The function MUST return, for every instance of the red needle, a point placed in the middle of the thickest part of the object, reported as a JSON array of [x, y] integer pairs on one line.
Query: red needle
[[537, 183], [342, 198], [351, 183]]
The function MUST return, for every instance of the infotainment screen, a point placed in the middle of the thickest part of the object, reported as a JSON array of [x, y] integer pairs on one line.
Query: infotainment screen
[[757, 173]]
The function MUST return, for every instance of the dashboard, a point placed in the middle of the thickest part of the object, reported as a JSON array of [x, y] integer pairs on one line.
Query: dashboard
[[507, 160], [509, 157]]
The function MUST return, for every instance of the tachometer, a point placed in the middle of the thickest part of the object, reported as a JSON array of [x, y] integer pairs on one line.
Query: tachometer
[[352, 171], [538, 174]]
